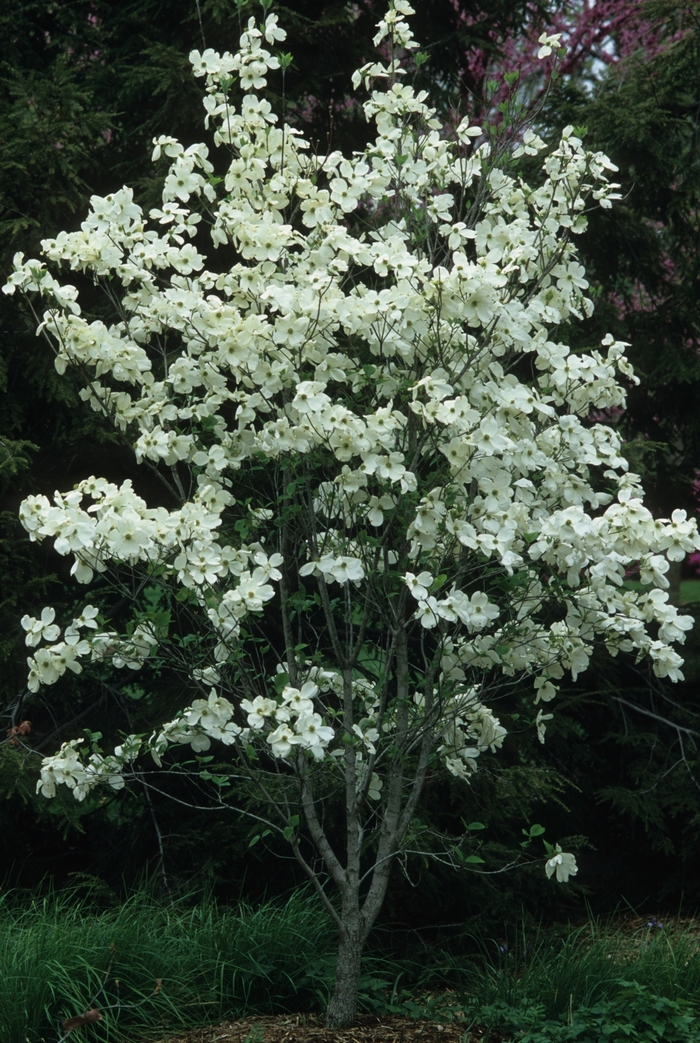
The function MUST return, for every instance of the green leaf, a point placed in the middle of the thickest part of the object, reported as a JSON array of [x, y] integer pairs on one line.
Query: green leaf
[[132, 691], [534, 831], [475, 860], [281, 681], [259, 836]]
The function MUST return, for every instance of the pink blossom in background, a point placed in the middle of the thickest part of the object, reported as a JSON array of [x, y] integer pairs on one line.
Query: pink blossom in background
[[594, 34], [694, 559], [606, 416]]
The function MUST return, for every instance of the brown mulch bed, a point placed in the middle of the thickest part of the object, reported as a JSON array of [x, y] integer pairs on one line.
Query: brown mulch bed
[[309, 1028]]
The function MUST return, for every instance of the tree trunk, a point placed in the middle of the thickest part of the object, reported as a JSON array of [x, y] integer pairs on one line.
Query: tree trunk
[[342, 1009]]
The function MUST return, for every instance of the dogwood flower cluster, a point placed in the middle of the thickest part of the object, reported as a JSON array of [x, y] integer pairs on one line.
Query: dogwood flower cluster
[[82, 773], [385, 344], [51, 661], [471, 730]]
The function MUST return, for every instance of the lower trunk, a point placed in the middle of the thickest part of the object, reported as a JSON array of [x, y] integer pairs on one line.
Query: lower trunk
[[342, 1009]]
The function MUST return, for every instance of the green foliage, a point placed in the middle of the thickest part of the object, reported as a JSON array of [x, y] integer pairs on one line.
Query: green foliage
[[529, 980], [65, 953], [14, 457], [50, 131], [634, 1013], [547, 985], [643, 259], [15, 783]]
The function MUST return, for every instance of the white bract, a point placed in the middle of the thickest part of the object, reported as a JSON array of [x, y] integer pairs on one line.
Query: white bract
[[378, 446], [561, 863]]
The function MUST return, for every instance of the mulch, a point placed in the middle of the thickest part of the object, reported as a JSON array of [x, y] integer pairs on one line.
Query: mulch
[[309, 1028]]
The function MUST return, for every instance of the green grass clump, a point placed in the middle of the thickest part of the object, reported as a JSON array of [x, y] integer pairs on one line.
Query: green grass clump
[[59, 956]]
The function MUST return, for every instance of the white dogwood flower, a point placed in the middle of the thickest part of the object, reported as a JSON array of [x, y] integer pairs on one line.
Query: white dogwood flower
[[563, 864]]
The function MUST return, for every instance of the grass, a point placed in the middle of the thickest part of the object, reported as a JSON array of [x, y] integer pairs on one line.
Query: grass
[[58, 957], [548, 975], [585, 966], [62, 954]]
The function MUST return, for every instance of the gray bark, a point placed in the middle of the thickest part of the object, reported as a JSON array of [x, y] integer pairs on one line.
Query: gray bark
[[342, 1009]]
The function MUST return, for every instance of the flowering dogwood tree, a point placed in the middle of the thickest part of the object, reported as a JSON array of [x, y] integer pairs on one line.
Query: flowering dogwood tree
[[389, 502]]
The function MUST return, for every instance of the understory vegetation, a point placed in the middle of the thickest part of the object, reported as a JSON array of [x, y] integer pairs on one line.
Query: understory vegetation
[[151, 964]]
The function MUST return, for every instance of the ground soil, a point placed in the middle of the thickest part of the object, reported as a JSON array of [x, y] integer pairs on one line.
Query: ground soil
[[309, 1028]]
